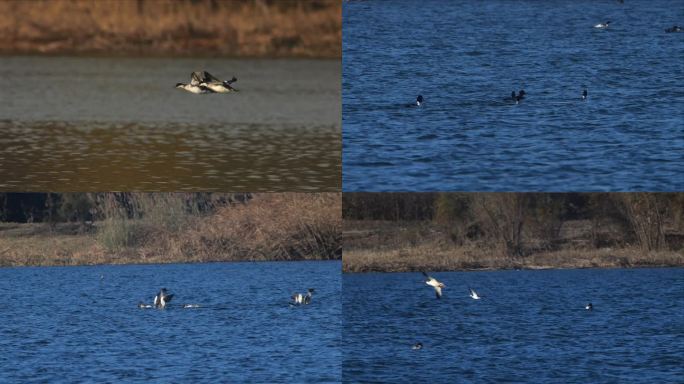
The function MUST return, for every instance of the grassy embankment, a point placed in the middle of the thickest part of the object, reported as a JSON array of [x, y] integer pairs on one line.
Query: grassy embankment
[[162, 229], [239, 28], [382, 246]]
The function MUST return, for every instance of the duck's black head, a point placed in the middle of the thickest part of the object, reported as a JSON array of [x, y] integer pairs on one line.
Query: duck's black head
[[521, 93], [419, 99], [311, 290], [179, 85]]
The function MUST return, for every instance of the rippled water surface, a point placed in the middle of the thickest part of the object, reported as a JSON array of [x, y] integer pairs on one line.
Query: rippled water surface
[[70, 324], [531, 326], [94, 124], [465, 58]]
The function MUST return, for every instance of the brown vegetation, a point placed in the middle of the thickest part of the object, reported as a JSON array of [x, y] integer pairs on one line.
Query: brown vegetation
[[255, 28], [453, 231], [166, 228]]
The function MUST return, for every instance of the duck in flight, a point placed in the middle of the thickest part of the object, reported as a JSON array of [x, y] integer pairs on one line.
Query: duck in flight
[[437, 285], [474, 295], [602, 25], [195, 85], [210, 81], [299, 298], [162, 299]]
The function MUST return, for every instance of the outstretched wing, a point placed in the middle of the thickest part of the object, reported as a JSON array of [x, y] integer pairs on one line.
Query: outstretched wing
[[156, 300], [231, 81], [208, 77], [196, 78], [426, 275]]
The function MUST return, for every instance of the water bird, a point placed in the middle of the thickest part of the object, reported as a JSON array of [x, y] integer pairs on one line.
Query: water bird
[[602, 25], [162, 298], [589, 307], [584, 94], [194, 87], [474, 295], [519, 97], [675, 28], [418, 103], [299, 298], [434, 283], [416, 346], [213, 83]]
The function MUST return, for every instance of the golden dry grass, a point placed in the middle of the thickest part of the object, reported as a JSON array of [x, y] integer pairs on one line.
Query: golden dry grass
[[271, 226], [378, 246], [254, 28]]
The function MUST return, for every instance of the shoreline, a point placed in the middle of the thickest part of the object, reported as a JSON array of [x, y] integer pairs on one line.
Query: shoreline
[[5, 267]]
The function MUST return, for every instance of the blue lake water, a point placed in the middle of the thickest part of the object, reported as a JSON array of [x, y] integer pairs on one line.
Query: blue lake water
[[465, 58], [531, 326], [66, 324]]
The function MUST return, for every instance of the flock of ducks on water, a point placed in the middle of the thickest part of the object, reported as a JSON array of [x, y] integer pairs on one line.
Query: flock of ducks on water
[[204, 82], [521, 94], [163, 298], [438, 286]]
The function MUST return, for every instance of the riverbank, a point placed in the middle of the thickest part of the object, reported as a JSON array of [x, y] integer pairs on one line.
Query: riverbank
[[383, 246], [308, 29], [268, 227]]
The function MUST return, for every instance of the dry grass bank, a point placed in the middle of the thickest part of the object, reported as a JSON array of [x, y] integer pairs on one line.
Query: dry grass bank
[[283, 226], [237, 28], [400, 246]]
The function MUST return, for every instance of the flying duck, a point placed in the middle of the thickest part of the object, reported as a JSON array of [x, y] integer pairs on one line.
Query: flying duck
[[195, 85], [299, 298], [602, 25], [431, 281], [210, 81], [162, 298], [474, 295]]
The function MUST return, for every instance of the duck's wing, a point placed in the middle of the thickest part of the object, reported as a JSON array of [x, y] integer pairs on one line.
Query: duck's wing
[[196, 78], [168, 298], [209, 78], [438, 292], [156, 300], [231, 81], [426, 275]]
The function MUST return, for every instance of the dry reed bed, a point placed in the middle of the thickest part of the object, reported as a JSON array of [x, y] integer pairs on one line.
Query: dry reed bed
[[403, 246], [284, 226], [247, 28]]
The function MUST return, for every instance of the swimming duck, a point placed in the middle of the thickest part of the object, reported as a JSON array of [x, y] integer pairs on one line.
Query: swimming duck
[[437, 285], [602, 25], [674, 28], [474, 295], [210, 81], [299, 298], [419, 100], [589, 307], [162, 299], [418, 345], [520, 96], [584, 94]]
